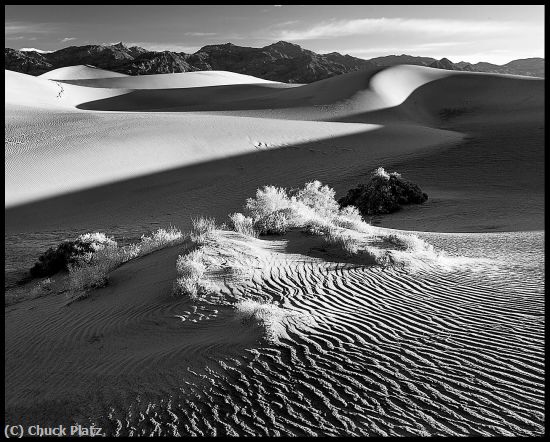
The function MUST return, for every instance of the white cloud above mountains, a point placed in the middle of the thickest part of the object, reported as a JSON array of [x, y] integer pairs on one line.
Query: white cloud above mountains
[[40, 51], [377, 26]]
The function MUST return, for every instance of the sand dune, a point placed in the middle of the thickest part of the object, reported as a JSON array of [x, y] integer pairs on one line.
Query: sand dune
[[92, 149], [156, 81], [400, 92], [80, 72], [53, 154], [36, 93]]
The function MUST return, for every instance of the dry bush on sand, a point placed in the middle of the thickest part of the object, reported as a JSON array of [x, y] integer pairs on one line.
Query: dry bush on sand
[[243, 224], [202, 229]]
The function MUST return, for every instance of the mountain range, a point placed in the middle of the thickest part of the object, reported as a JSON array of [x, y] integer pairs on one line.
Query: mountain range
[[281, 61]]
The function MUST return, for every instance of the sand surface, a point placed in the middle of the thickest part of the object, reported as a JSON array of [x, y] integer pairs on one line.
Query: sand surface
[[343, 349], [346, 349], [336, 130]]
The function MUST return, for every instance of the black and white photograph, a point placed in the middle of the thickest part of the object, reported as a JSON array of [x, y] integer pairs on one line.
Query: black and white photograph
[[274, 221]]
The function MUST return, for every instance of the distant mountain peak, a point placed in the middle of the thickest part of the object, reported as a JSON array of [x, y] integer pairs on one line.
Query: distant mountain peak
[[445, 63], [287, 44], [119, 45]]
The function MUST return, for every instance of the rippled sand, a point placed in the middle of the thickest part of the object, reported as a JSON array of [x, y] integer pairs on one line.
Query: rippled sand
[[350, 350]]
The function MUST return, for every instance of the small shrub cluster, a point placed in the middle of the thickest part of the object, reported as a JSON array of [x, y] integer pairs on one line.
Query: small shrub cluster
[[275, 210], [243, 224], [275, 223], [70, 253], [318, 197], [89, 276], [190, 269], [158, 239], [383, 193], [92, 256], [202, 229]]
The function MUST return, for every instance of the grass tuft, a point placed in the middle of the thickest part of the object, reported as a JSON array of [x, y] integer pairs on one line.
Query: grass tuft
[[190, 269], [342, 240], [202, 229]]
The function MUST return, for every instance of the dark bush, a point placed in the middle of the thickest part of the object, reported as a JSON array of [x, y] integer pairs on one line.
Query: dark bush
[[56, 259], [384, 193]]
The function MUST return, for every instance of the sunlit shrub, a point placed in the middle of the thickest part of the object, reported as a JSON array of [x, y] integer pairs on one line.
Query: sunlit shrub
[[275, 223], [190, 269], [243, 224], [268, 199], [202, 229], [159, 238]]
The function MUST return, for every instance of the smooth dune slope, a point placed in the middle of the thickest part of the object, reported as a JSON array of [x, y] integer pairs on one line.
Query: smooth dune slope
[[161, 81], [47, 95], [80, 72], [397, 94], [70, 153]]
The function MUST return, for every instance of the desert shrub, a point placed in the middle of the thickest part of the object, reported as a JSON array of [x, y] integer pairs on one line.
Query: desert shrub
[[275, 211], [190, 269], [342, 240], [275, 223], [383, 193], [57, 259], [190, 265], [243, 224], [88, 276], [94, 271], [409, 242], [202, 229], [70, 253], [158, 239], [97, 240], [381, 173], [268, 199], [186, 286], [318, 197], [349, 218], [129, 252]]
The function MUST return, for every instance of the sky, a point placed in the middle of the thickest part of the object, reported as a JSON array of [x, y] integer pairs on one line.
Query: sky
[[472, 33]]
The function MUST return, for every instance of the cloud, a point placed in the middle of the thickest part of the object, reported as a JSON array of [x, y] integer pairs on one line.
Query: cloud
[[18, 27], [413, 49], [200, 34], [378, 26], [283, 24], [40, 51], [66, 39]]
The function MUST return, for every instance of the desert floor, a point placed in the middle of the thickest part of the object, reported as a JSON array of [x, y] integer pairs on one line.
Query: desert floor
[[348, 350]]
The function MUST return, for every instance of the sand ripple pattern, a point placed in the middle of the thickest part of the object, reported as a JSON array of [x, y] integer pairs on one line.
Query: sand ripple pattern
[[386, 353]]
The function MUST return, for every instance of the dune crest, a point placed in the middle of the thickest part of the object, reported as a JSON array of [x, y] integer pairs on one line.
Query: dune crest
[[80, 72]]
